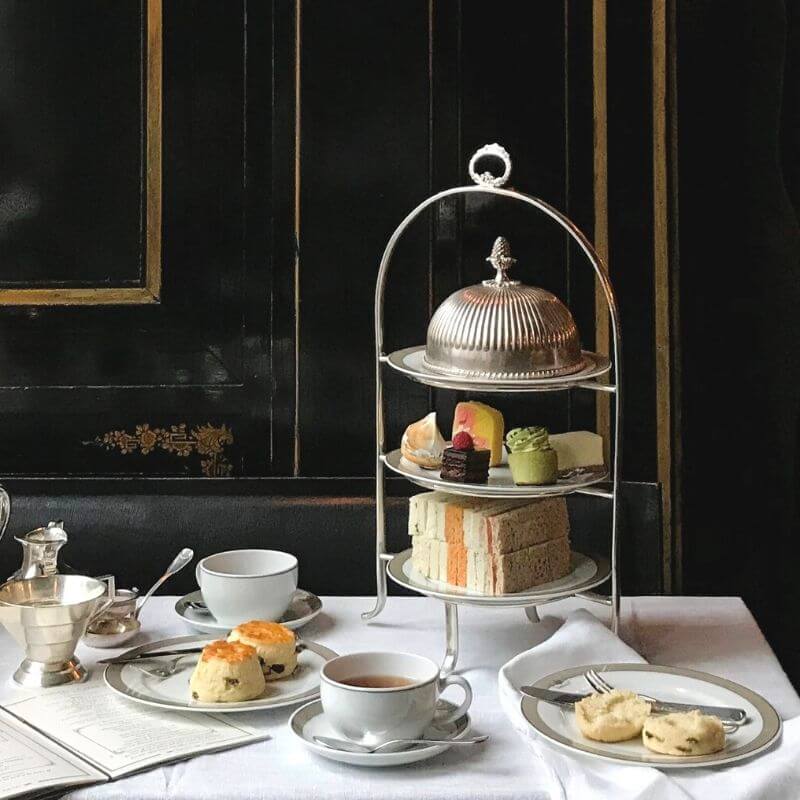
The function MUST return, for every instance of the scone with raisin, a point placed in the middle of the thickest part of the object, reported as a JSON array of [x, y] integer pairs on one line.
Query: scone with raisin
[[227, 672], [612, 717], [274, 643], [689, 733]]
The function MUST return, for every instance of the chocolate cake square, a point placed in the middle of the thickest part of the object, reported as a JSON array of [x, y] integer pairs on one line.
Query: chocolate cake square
[[465, 466]]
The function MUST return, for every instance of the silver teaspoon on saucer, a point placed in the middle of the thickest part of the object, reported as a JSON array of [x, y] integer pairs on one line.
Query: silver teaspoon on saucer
[[353, 747]]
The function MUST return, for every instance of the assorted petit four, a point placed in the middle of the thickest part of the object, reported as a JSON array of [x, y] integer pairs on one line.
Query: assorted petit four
[[484, 424], [423, 444], [531, 459], [690, 733], [462, 463], [227, 672], [492, 547], [578, 450], [275, 646], [616, 716]]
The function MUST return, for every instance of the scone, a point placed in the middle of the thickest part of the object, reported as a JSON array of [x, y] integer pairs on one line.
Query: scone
[[227, 672], [689, 733], [612, 717], [274, 643]]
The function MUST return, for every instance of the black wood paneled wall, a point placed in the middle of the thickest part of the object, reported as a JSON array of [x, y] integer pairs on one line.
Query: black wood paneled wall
[[194, 198], [739, 128], [287, 160]]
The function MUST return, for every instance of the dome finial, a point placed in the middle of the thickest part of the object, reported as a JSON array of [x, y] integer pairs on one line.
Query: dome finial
[[501, 258]]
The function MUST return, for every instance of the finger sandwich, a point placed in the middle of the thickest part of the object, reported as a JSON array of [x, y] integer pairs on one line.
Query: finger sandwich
[[275, 646], [491, 547]]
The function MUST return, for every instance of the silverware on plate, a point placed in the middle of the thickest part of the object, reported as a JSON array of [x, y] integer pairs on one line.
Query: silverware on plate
[[354, 747], [127, 659], [570, 698], [161, 670], [131, 656], [600, 684]]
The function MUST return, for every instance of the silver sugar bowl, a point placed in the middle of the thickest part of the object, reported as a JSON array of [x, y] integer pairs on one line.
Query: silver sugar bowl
[[501, 329]]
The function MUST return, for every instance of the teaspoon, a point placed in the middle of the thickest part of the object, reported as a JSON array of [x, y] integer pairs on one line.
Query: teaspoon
[[178, 563], [353, 747]]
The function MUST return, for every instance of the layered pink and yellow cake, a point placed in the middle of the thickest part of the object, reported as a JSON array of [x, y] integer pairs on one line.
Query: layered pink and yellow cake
[[484, 424], [489, 546]]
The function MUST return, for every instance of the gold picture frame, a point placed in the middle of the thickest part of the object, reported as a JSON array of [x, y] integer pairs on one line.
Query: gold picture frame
[[151, 290]]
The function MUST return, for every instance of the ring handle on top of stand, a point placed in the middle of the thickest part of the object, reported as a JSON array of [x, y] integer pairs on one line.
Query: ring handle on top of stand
[[488, 183], [487, 178]]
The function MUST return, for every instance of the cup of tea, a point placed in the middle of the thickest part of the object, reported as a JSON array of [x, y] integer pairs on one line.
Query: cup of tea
[[371, 698], [240, 585]]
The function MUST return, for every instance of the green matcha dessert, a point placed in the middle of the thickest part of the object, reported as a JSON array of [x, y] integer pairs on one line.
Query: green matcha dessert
[[533, 462]]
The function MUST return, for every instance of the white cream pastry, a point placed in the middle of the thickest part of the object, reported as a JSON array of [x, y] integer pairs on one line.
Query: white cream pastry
[[227, 672], [612, 717], [423, 443], [577, 449], [275, 646], [690, 733]]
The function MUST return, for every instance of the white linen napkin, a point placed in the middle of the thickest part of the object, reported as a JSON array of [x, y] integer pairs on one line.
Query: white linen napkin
[[583, 639]]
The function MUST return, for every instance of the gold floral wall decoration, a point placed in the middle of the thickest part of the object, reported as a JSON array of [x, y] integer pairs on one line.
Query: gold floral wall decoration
[[207, 441]]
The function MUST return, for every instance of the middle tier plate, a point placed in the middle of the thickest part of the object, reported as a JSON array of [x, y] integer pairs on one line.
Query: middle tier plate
[[500, 484], [586, 573]]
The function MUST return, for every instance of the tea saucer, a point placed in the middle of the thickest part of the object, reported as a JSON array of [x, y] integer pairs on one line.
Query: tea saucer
[[303, 608], [309, 721]]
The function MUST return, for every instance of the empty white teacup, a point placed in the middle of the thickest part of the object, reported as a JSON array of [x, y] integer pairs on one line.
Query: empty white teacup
[[240, 585], [371, 698]]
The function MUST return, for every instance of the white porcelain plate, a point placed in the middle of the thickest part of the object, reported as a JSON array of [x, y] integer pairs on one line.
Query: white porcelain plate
[[173, 693], [587, 572], [309, 721], [410, 362], [500, 483], [303, 608], [556, 723]]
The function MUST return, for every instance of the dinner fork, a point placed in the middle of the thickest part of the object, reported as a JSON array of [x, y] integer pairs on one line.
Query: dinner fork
[[601, 685], [166, 669]]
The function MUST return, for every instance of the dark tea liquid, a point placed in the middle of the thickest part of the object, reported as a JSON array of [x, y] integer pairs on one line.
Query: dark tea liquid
[[377, 681]]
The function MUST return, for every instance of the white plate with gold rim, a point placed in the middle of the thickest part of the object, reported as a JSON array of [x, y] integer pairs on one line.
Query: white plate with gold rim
[[411, 362], [669, 684], [302, 609], [499, 485], [586, 573], [309, 721], [173, 693]]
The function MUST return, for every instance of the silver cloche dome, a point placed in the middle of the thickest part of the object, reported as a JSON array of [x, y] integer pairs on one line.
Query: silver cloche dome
[[502, 329]]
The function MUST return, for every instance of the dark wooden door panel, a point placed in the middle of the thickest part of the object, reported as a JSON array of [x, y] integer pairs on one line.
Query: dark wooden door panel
[[198, 354], [72, 137]]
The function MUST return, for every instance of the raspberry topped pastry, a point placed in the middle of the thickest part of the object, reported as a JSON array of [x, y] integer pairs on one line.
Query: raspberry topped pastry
[[462, 463]]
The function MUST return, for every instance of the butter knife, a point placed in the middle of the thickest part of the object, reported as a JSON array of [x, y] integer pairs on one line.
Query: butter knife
[[569, 699], [126, 659]]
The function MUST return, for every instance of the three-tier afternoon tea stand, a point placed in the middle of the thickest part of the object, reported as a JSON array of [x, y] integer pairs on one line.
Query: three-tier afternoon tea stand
[[587, 572]]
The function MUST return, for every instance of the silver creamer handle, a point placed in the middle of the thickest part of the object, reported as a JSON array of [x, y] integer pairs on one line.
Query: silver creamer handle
[[5, 510]]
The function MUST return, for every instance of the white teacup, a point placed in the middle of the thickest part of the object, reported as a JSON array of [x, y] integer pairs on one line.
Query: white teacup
[[373, 715], [240, 585]]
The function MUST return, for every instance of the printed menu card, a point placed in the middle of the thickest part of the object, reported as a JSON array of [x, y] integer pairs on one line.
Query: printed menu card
[[83, 734]]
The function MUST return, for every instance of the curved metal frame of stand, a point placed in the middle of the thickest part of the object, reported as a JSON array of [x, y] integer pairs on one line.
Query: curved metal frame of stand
[[451, 612]]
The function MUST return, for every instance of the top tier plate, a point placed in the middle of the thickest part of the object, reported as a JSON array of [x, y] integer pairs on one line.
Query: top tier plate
[[410, 362]]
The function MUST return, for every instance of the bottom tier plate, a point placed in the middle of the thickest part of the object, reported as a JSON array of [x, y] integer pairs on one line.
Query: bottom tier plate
[[587, 572]]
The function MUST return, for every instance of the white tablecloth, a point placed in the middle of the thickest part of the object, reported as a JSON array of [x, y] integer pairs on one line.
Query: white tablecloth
[[714, 634]]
